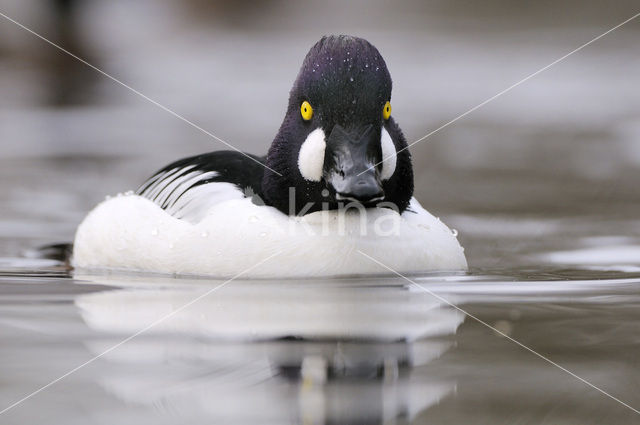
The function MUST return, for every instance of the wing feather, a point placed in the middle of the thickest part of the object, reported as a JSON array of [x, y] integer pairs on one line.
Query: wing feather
[[187, 189]]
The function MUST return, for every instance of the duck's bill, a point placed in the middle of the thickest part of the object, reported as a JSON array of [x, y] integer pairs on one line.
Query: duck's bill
[[350, 165], [363, 188]]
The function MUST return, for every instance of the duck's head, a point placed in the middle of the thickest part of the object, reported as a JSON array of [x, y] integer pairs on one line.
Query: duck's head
[[338, 141]]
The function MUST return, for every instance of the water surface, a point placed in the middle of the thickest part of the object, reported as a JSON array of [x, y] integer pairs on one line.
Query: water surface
[[359, 350]]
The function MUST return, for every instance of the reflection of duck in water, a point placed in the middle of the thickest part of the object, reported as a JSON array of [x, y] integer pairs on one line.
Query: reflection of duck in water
[[338, 150], [321, 351]]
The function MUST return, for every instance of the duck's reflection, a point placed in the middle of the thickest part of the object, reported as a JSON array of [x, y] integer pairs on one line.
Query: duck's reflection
[[319, 352]]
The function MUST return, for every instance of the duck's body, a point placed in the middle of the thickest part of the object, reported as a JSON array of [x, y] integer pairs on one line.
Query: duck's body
[[130, 232], [336, 186]]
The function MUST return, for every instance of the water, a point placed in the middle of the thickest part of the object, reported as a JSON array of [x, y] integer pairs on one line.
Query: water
[[541, 185], [369, 350]]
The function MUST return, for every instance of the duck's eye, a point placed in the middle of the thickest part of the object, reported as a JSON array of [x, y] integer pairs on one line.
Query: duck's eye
[[386, 110], [306, 111]]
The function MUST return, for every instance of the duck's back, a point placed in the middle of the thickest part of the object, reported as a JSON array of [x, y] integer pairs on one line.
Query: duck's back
[[188, 188]]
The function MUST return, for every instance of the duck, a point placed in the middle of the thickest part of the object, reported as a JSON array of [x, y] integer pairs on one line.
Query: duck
[[333, 196]]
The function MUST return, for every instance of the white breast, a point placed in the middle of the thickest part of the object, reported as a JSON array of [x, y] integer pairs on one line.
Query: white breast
[[133, 233]]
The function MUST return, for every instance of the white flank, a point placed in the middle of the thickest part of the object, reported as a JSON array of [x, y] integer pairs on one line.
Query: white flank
[[134, 233]]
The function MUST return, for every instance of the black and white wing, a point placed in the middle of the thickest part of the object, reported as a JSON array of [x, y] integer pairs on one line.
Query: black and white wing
[[187, 188]]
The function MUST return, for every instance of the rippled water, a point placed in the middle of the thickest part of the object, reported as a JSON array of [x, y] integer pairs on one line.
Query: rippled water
[[356, 351], [541, 184]]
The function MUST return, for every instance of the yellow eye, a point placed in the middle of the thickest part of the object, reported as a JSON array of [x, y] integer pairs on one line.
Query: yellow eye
[[306, 111], [386, 110]]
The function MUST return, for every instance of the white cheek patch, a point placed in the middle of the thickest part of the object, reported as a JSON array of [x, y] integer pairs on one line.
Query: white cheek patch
[[311, 156], [389, 155]]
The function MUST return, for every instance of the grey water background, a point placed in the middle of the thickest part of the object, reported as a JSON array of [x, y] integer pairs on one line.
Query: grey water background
[[542, 185]]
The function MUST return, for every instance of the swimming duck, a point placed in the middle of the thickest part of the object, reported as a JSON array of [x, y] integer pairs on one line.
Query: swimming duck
[[336, 183]]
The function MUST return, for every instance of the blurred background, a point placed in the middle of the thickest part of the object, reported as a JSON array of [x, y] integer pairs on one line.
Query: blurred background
[[554, 164], [541, 183]]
